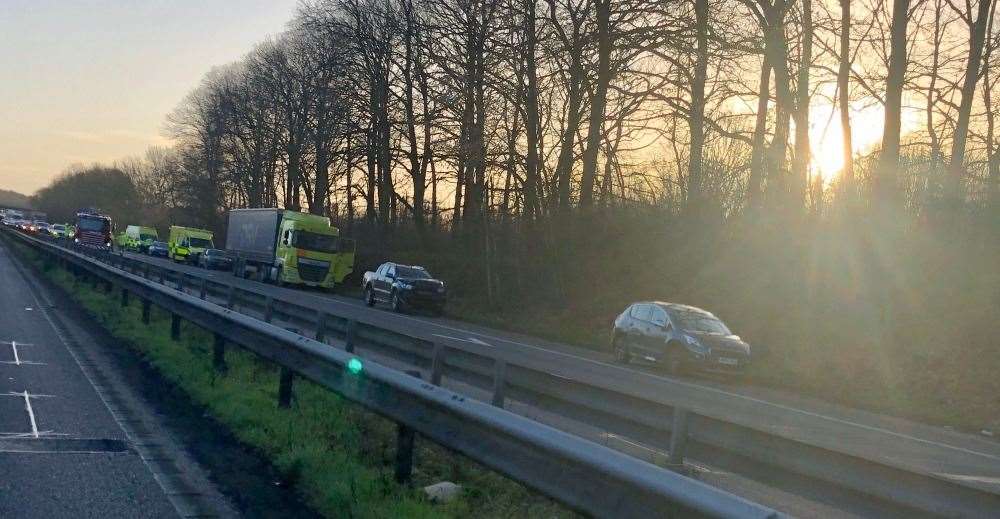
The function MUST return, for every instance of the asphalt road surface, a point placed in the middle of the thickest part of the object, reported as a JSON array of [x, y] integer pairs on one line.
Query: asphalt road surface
[[968, 459], [70, 440]]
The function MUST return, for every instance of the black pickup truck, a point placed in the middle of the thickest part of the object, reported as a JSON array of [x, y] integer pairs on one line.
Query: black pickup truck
[[404, 287]]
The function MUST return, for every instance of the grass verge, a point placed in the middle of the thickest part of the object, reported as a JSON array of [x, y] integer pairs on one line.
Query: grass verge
[[337, 456]]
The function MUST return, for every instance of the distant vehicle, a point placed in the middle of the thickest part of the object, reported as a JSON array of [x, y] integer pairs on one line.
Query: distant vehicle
[[677, 336], [58, 230], [39, 226], [158, 248], [137, 238], [215, 259], [404, 287], [14, 215], [93, 229], [284, 246], [187, 243]]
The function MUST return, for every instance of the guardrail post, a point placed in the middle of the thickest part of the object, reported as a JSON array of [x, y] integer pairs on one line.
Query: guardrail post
[[219, 353], [285, 383], [231, 299], [124, 297], [499, 382], [180, 281], [268, 309], [204, 288], [437, 364], [678, 436], [145, 271], [175, 327], [145, 311], [405, 437], [349, 336], [321, 326], [285, 388]]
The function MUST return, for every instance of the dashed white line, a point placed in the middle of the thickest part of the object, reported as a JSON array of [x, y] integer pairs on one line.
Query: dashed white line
[[31, 414], [27, 406]]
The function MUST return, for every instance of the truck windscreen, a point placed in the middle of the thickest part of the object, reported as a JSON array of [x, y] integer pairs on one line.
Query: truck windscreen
[[92, 224], [201, 243], [315, 242]]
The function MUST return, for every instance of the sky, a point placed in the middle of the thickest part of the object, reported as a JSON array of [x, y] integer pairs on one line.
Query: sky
[[85, 81]]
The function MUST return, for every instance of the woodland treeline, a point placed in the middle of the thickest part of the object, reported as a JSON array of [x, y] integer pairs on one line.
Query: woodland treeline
[[444, 112], [559, 159]]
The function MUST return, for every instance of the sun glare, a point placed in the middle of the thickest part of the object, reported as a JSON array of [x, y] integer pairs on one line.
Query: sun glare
[[827, 138]]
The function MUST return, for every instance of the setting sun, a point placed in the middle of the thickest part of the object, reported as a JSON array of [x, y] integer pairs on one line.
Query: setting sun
[[827, 138]]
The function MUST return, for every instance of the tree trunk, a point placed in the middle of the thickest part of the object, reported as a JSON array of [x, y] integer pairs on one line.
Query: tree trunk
[[564, 167], [777, 50], [597, 106], [977, 35], [757, 155], [696, 112], [844, 98], [532, 208], [885, 179], [800, 166]]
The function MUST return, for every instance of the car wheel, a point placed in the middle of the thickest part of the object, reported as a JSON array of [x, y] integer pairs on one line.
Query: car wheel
[[369, 296], [397, 304], [622, 355]]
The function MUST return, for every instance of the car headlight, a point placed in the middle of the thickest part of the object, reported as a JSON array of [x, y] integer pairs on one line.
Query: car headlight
[[76, 240], [405, 286]]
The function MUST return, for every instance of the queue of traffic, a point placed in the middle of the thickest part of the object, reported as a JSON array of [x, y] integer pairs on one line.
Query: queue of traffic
[[286, 247]]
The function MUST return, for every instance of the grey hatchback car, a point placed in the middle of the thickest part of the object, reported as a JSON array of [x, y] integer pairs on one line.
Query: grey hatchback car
[[678, 337]]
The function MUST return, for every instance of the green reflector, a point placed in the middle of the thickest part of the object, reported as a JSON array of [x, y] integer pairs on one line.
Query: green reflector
[[354, 365]]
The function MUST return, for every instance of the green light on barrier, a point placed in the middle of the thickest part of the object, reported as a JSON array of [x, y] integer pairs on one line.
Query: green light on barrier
[[354, 366]]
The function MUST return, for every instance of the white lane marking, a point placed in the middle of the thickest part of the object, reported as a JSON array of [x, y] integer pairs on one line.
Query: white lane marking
[[683, 383], [470, 339], [31, 412], [975, 479], [13, 346], [41, 434]]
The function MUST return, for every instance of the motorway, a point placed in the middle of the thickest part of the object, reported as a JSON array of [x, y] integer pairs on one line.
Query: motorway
[[966, 459], [74, 442]]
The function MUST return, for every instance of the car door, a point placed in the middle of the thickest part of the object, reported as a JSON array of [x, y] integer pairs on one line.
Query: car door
[[640, 326], [656, 336], [384, 280]]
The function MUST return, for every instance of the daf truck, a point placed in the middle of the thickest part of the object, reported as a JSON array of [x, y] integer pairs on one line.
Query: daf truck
[[281, 246], [187, 243]]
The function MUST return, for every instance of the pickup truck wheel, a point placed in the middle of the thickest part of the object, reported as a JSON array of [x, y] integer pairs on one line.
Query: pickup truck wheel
[[622, 356], [369, 296]]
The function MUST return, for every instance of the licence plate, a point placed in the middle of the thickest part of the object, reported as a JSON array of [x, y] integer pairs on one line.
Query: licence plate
[[728, 361]]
